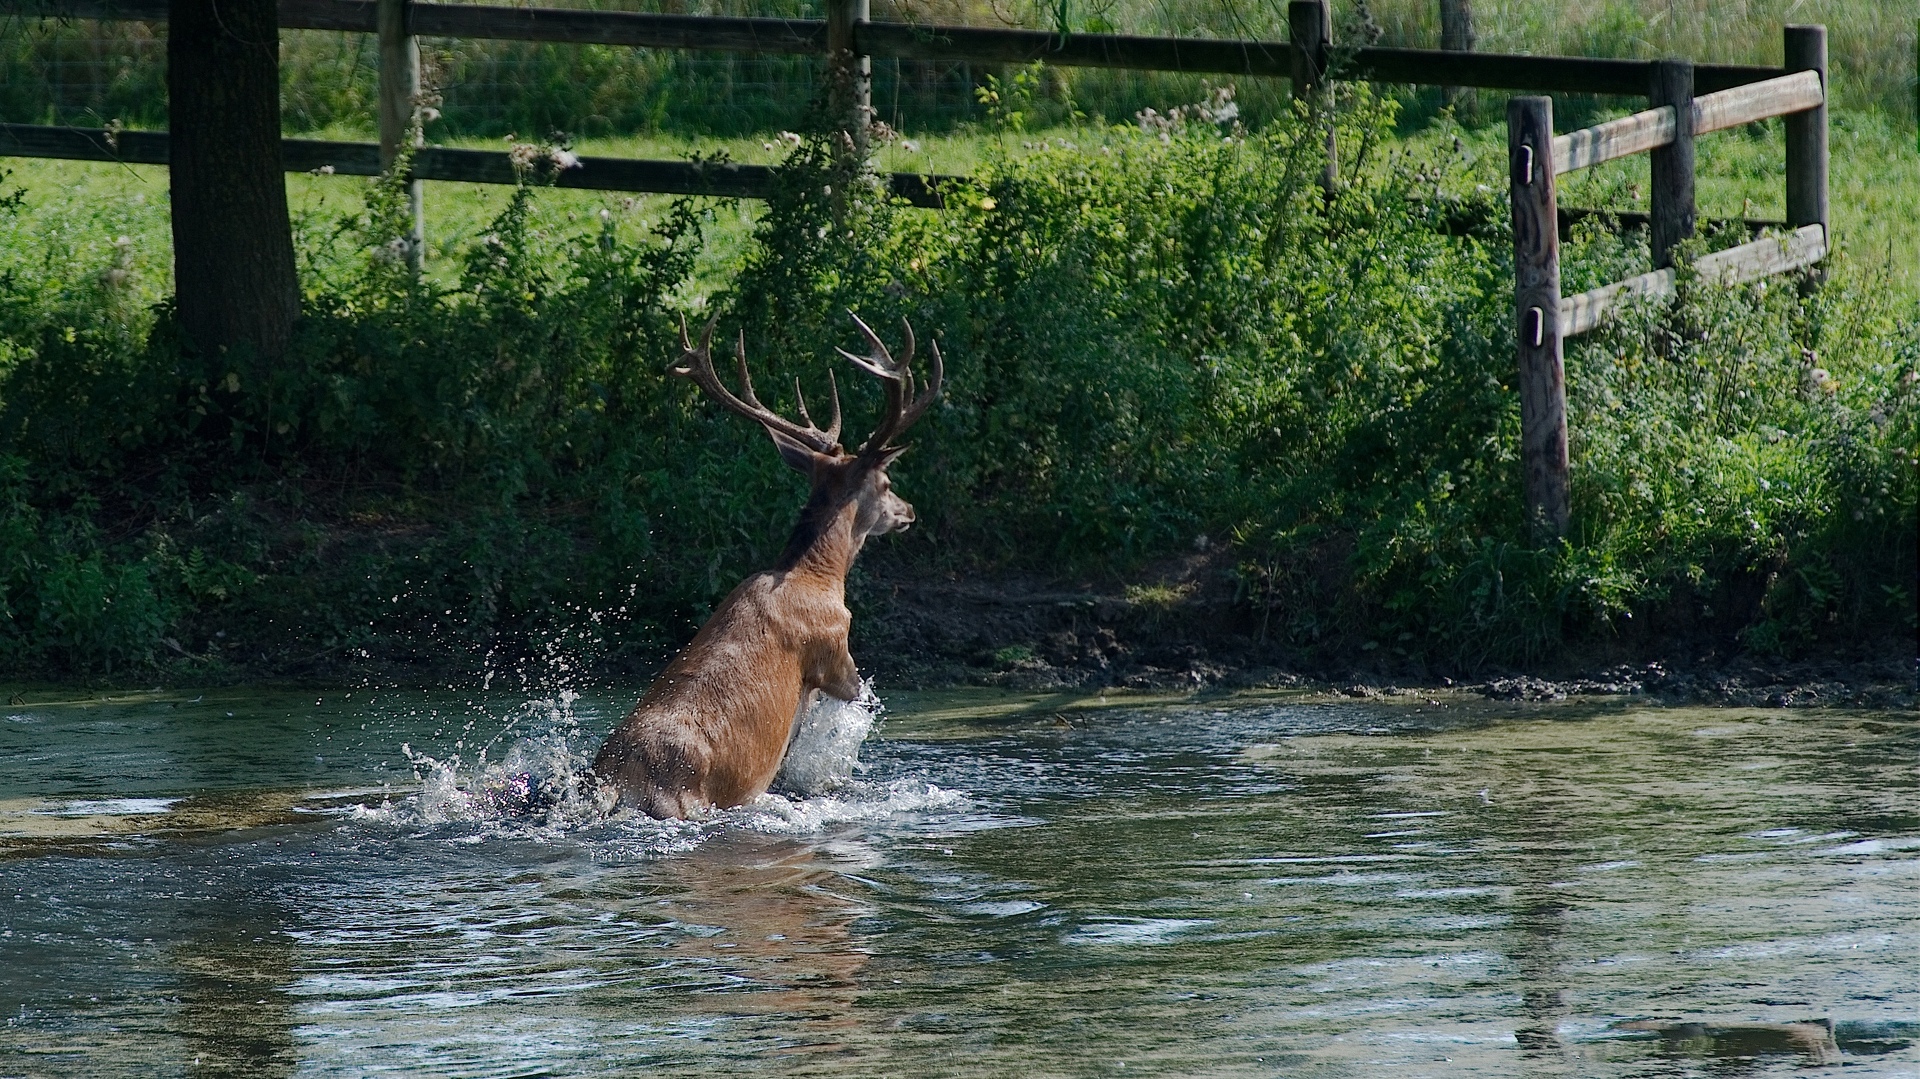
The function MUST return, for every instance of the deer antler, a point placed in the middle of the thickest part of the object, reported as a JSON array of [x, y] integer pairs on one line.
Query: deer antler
[[697, 364], [903, 408]]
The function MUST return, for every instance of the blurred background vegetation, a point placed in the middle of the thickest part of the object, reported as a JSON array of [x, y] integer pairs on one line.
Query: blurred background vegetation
[[87, 73], [1158, 338]]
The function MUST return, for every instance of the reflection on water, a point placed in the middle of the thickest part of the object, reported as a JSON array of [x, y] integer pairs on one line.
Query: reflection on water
[[336, 885]]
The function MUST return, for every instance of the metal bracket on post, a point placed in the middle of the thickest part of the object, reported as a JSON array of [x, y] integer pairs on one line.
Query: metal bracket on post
[[1536, 296], [399, 106], [1310, 32], [1674, 215]]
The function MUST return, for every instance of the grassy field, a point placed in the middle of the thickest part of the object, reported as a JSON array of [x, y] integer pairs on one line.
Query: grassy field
[[87, 73], [1155, 346], [83, 208]]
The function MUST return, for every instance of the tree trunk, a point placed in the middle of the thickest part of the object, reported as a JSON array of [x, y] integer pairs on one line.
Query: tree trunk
[[1456, 35], [235, 285], [1456, 25]]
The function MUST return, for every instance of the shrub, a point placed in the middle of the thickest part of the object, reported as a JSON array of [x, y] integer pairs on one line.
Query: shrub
[[1153, 334]]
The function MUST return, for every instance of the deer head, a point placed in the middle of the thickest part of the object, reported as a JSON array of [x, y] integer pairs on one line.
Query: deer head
[[840, 480]]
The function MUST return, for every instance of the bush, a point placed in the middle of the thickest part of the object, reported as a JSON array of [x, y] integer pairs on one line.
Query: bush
[[1156, 336]]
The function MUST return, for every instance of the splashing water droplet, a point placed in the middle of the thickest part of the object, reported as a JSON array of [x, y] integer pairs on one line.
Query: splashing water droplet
[[825, 751]]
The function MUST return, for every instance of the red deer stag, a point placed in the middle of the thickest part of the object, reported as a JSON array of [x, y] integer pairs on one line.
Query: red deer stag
[[712, 730]]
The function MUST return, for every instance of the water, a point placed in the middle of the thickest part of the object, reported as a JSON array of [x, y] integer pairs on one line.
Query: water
[[328, 885]]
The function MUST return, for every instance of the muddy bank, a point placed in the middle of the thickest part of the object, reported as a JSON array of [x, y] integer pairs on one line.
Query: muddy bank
[[1181, 632], [1182, 627]]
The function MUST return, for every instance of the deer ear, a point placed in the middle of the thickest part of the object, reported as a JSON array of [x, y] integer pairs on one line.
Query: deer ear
[[798, 457], [888, 457]]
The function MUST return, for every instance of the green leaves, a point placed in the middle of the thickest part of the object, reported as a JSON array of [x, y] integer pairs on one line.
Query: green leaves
[[1152, 334]]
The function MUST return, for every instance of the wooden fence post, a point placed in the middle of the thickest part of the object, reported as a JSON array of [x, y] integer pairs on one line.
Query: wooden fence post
[[1310, 31], [850, 97], [1673, 216], [399, 104], [1536, 289], [1456, 35], [236, 281], [1807, 135]]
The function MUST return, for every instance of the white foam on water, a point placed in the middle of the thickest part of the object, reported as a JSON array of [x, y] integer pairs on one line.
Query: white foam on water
[[109, 807], [851, 801], [1875, 846], [1135, 931], [541, 787], [539, 784], [825, 750]]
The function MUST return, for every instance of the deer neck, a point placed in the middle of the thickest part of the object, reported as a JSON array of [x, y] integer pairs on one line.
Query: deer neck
[[824, 543]]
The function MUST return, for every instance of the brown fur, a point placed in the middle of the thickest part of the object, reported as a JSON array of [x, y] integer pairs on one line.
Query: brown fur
[[712, 730], [714, 727]]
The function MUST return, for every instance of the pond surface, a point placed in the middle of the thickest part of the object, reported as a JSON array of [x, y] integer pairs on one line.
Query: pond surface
[[257, 884]]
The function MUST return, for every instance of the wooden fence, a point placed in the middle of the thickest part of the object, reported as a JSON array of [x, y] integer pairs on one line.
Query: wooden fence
[[1731, 95], [1537, 158]]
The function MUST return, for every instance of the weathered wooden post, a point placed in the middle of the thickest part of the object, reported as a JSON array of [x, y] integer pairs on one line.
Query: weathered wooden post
[[851, 74], [1310, 31], [399, 108], [1673, 216], [1807, 134], [1536, 273]]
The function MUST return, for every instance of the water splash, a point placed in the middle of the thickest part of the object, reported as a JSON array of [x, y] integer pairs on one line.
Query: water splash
[[541, 781], [854, 800], [825, 751], [542, 787]]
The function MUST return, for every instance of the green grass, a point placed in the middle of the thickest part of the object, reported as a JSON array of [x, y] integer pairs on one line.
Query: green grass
[[1874, 187], [86, 73], [1875, 191], [1870, 42], [82, 207], [1148, 341]]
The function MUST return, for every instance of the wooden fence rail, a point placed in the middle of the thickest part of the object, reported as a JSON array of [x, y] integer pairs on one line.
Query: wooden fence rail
[[1729, 95], [400, 22], [955, 44], [722, 179], [1645, 131], [1544, 318]]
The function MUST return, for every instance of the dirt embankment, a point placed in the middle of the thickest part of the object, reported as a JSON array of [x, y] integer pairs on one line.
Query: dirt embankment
[[1187, 629]]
